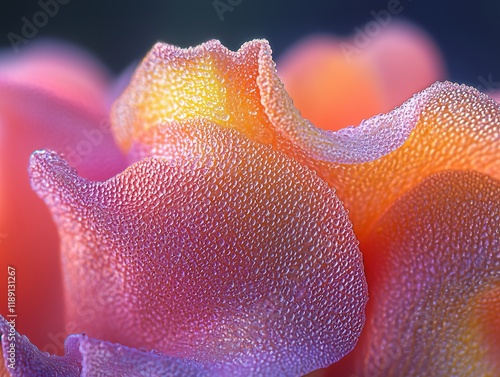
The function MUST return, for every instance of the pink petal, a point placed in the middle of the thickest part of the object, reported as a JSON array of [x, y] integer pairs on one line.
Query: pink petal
[[59, 68], [45, 102], [234, 256]]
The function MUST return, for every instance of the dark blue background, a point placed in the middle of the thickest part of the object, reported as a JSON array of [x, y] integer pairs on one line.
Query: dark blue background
[[120, 32]]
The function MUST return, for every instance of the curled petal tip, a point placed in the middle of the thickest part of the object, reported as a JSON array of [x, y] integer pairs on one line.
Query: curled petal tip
[[208, 81]]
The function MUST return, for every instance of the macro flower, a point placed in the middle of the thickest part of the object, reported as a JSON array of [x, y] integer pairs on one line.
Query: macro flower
[[229, 243]]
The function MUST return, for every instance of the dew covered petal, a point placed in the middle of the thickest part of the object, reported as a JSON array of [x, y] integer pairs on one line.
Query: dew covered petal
[[227, 253], [446, 126], [457, 128]]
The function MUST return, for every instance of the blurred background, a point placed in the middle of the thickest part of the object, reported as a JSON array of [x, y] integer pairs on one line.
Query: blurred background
[[120, 32]]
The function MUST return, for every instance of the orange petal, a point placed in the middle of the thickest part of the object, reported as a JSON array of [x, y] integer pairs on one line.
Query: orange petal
[[433, 267], [328, 89], [338, 82], [446, 126], [224, 252]]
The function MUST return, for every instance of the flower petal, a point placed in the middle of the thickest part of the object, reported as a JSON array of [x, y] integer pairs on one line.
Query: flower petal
[[328, 89], [101, 358], [46, 103], [208, 81], [447, 126], [236, 256], [338, 82], [433, 265], [87, 357], [59, 68]]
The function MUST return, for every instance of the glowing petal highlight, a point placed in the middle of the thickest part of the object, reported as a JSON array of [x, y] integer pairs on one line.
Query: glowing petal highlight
[[228, 253], [208, 81]]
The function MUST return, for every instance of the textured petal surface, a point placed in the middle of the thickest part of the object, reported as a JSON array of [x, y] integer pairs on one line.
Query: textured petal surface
[[457, 127], [48, 99], [234, 255], [338, 82], [208, 81], [106, 359], [446, 126], [433, 265]]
